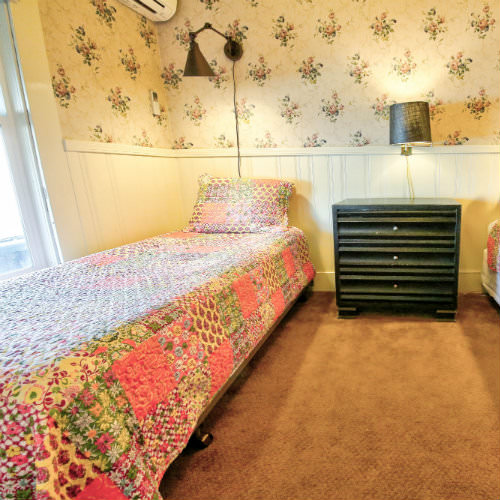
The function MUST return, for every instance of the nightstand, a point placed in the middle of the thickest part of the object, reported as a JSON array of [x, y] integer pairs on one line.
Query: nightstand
[[397, 252]]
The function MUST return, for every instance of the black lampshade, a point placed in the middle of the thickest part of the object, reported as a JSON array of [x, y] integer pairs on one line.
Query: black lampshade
[[410, 123], [196, 64]]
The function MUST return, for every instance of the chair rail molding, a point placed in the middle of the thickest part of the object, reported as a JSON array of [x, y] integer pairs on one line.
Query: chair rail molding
[[71, 145]]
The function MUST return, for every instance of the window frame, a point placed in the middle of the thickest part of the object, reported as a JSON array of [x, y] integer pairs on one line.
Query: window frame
[[22, 153]]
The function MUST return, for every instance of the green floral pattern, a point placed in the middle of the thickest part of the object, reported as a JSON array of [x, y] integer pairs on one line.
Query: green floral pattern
[[259, 72], [483, 22], [290, 110], [405, 66], [435, 106], [105, 12], [310, 71], [181, 143], [284, 31], [97, 134], [478, 105], [86, 47], [64, 92], [266, 142], [329, 28], [381, 108], [455, 139], [182, 34], [119, 102], [236, 31], [210, 4], [358, 140], [162, 118], [244, 110], [359, 69], [434, 24], [195, 111], [223, 142], [314, 141], [458, 65], [147, 33], [99, 34], [142, 140], [382, 27], [129, 62], [171, 76], [221, 75], [332, 108]]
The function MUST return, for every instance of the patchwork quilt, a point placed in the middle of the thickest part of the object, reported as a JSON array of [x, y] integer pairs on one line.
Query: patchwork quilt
[[492, 245], [107, 362]]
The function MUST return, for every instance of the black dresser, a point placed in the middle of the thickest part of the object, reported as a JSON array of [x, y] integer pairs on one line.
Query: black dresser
[[397, 252]]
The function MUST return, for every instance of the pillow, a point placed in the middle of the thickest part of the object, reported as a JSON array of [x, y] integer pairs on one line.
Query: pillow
[[228, 205]]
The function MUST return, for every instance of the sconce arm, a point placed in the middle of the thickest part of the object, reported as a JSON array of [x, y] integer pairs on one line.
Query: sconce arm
[[207, 26]]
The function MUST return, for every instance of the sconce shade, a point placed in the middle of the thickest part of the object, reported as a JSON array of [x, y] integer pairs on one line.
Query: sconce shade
[[410, 123], [196, 64]]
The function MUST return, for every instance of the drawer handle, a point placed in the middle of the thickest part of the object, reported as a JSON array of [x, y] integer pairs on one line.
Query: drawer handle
[[395, 257], [395, 285], [395, 228]]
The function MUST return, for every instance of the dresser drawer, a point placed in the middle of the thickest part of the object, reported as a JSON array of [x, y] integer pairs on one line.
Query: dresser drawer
[[397, 287], [395, 257], [377, 223], [355, 299], [396, 229]]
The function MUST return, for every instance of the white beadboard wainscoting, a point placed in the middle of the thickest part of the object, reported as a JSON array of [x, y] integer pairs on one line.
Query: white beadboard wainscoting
[[125, 193]]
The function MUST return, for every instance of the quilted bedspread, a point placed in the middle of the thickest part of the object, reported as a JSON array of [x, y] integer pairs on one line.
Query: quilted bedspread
[[492, 245], [107, 362]]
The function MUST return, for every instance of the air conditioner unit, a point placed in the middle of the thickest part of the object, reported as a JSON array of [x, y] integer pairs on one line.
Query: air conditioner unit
[[156, 10]]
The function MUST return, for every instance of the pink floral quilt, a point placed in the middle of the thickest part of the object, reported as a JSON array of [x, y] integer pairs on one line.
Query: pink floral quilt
[[107, 362], [492, 245]]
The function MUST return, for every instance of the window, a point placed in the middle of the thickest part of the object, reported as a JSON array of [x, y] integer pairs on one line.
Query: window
[[27, 235], [14, 252]]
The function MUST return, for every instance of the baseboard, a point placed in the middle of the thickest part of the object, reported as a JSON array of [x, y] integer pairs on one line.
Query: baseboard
[[324, 281], [468, 281]]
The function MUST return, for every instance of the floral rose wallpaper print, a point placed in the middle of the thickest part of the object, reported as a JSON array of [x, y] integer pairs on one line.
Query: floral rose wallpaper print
[[318, 73], [104, 60], [313, 73]]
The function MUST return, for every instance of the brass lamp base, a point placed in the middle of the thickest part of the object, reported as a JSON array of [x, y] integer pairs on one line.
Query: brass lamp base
[[406, 150]]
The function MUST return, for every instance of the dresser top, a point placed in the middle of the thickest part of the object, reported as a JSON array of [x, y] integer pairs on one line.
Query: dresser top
[[400, 201]]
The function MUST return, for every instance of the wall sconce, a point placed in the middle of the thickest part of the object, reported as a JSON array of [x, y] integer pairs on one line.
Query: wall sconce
[[197, 65], [410, 126]]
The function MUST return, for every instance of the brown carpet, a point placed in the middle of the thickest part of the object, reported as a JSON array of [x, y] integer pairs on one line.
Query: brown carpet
[[381, 407]]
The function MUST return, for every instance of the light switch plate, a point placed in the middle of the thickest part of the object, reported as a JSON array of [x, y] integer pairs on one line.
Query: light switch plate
[[155, 105]]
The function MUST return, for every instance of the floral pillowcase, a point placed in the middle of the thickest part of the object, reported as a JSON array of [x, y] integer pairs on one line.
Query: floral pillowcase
[[228, 205]]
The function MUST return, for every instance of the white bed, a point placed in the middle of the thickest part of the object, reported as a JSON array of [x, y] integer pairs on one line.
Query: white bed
[[489, 278]]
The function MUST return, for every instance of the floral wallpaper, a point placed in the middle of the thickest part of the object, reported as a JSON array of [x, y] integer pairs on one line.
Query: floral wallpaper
[[317, 73], [104, 60]]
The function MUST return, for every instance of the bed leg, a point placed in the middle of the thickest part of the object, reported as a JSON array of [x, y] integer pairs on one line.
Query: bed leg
[[201, 439], [306, 293]]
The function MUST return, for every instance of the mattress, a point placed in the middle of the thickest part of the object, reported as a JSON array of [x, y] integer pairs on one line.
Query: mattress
[[107, 362]]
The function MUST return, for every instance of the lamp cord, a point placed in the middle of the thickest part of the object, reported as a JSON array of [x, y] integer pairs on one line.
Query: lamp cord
[[237, 123], [409, 179]]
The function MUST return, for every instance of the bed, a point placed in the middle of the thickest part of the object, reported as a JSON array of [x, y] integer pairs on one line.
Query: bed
[[109, 363], [490, 274]]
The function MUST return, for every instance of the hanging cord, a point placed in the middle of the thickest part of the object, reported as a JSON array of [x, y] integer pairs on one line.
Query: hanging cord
[[409, 179], [237, 123]]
